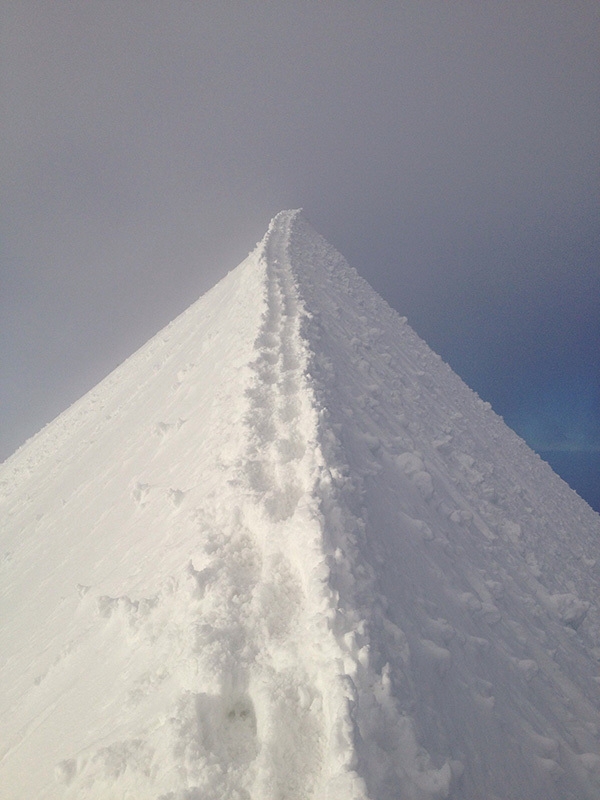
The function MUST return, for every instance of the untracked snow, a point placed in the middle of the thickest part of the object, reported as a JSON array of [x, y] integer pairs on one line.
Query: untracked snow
[[284, 553]]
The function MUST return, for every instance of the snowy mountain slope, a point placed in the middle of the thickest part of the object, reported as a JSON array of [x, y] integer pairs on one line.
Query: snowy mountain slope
[[284, 552]]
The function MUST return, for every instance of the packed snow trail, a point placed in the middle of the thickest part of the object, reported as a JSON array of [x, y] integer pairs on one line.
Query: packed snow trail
[[305, 727], [284, 553]]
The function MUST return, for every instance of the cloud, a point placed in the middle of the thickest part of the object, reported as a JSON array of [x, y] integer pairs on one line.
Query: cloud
[[449, 150]]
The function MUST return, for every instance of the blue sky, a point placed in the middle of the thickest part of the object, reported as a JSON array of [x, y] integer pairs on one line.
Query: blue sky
[[448, 149]]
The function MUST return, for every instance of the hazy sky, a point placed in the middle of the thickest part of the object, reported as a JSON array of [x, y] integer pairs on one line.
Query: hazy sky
[[448, 149]]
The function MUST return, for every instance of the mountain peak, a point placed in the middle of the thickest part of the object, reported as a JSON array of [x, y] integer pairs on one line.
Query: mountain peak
[[284, 552], [281, 224]]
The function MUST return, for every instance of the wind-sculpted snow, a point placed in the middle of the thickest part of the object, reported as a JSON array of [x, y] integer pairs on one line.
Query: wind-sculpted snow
[[284, 553]]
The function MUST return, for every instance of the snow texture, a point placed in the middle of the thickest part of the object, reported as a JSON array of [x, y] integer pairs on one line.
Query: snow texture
[[284, 553]]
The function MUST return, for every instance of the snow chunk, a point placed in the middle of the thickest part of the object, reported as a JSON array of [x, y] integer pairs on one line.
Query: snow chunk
[[568, 608], [411, 464]]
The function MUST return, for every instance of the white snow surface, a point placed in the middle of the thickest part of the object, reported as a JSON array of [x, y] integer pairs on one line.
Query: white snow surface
[[284, 553]]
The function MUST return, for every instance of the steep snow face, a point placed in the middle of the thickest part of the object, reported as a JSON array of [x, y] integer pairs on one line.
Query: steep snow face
[[472, 566], [284, 553]]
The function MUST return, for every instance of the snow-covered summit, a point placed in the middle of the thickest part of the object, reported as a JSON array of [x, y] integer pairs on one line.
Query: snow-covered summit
[[284, 553]]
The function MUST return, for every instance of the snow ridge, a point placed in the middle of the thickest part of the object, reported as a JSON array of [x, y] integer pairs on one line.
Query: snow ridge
[[284, 553], [305, 726]]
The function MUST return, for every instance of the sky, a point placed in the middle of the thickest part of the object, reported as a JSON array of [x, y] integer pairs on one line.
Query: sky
[[448, 149]]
